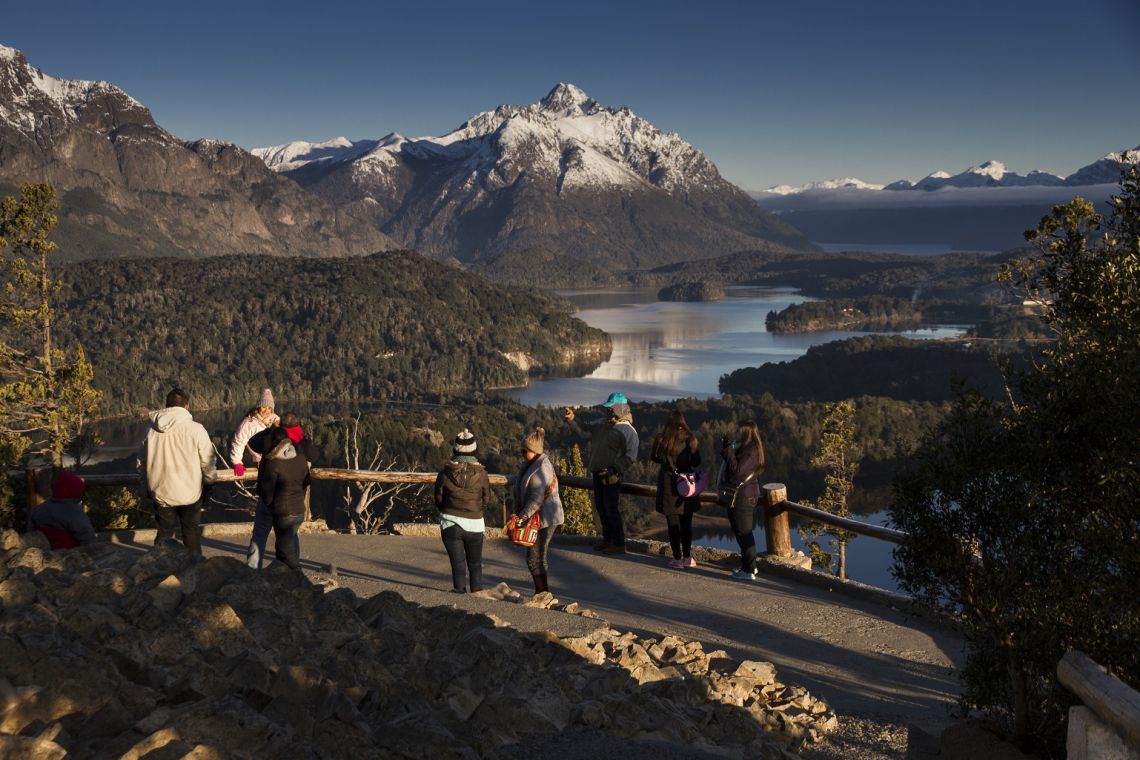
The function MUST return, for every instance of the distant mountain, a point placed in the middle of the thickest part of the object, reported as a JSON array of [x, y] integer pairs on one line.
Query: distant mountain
[[984, 208], [566, 179], [850, 183], [988, 174], [127, 187]]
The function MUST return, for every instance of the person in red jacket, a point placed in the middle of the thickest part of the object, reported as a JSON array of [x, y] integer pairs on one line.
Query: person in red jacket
[[61, 518]]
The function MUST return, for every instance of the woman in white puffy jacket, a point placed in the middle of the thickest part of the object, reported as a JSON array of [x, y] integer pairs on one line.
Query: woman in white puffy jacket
[[257, 419]]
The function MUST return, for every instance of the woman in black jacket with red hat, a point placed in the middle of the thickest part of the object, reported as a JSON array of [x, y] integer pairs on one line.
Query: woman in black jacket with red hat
[[282, 477]]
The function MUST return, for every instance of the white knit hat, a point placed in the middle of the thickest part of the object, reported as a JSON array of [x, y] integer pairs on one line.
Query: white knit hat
[[464, 443], [266, 399]]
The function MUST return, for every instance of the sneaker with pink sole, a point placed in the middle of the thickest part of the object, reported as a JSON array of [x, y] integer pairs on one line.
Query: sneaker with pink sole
[[689, 562], [676, 564]]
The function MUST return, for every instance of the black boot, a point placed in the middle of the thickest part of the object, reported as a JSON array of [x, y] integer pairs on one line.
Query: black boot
[[540, 583]]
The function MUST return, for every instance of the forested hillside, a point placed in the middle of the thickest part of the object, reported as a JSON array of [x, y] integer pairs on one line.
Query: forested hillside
[[879, 365], [391, 325]]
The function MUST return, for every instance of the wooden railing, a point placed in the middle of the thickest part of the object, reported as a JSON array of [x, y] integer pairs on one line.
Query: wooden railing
[[777, 529], [1113, 703]]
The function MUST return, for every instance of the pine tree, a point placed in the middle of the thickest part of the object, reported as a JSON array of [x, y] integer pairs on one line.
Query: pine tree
[[838, 456], [46, 397], [576, 501]]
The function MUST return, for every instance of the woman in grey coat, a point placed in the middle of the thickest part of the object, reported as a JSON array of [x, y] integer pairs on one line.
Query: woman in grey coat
[[536, 490]]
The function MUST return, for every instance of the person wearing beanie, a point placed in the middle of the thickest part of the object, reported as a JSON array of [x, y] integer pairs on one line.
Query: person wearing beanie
[[255, 420], [176, 463], [613, 448], [462, 493], [261, 444], [61, 518], [536, 490]]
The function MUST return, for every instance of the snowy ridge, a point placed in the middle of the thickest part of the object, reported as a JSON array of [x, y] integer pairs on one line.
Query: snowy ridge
[[298, 153], [28, 93], [988, 174], [827, 184], [567, 137]]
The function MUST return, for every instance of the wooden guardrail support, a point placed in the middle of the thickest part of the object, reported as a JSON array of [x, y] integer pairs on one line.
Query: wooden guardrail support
[[1112, 700], [777, 528]]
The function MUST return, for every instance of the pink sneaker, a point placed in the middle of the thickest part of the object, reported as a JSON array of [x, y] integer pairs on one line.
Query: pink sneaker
[[677, 564], [689, 562]]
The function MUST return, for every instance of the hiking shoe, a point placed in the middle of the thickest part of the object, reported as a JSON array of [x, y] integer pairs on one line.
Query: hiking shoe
[[743, 575], [600, 547], [677, 564], [614, 550], [689, 562]]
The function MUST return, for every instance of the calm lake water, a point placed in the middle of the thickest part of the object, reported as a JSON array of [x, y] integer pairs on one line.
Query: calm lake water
[[868, 559], [667, 350]]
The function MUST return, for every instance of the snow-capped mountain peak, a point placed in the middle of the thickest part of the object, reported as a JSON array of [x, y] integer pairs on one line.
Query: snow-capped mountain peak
[[26, 94], [567, 99], [991, 168], [850, 183], [567, 138]]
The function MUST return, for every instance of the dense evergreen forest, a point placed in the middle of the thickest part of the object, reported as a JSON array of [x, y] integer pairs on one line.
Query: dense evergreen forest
[[886, 365], [390, 325], [877, 312], [964, 277]]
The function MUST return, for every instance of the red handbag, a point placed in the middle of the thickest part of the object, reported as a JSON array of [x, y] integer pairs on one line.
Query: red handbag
[[524, 533]]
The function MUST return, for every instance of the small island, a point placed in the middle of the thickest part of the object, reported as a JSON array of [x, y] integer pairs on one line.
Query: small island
[[691, 291]]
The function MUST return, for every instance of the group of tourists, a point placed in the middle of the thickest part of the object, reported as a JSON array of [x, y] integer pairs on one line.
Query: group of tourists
[[177, 469], [463, 491]]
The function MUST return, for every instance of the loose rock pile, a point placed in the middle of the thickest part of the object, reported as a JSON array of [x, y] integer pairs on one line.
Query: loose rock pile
[[105, 652]]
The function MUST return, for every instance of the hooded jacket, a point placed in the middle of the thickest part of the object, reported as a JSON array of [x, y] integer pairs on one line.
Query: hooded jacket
[[462, 489], [176, 458], [283, 477]]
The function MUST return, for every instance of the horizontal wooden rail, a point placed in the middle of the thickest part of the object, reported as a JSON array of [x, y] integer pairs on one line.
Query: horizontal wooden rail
[[777, 504], [1114, 702], [846, 523]]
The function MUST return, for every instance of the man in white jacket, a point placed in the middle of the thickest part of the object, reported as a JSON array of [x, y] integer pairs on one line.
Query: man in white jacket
[[175, 461]]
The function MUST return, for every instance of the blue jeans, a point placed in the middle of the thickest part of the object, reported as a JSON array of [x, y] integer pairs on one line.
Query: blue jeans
[[606, 502], [262, 524], [465, 552]]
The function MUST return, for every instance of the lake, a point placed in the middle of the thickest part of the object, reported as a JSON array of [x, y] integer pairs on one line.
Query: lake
[[663, 350], [868, 559], [668, 350]]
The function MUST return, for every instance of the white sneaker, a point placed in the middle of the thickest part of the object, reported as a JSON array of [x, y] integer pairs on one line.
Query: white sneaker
[[743, 575]]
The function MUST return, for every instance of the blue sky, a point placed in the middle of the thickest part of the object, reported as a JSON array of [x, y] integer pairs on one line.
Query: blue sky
[[772, 92]]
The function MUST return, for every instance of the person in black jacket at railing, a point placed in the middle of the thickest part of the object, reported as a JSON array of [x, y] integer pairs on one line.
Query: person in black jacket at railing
[[743, 461], [260, 444], [462, 493], [282, 477]]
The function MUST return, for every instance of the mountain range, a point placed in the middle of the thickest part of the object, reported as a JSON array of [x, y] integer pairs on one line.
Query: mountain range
[[991, 173], [127, 187], [598, 186]]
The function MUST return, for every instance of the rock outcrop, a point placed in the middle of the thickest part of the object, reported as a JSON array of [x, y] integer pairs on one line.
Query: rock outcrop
[[108, 652]]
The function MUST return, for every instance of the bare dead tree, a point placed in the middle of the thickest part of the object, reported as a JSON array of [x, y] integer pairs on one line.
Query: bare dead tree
[[369, 505]]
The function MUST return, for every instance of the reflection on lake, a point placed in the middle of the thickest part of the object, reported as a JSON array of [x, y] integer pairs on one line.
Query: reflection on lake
[[664, 350], [868, 559]]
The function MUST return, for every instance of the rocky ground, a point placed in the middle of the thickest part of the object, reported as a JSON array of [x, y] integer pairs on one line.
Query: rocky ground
[[106, 652]]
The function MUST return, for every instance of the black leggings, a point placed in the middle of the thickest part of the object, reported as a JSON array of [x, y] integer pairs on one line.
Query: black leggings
[[681, 530], [743, 518], [536, 555]]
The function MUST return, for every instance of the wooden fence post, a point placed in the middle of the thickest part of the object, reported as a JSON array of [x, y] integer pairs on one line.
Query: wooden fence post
[[777, 533]]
